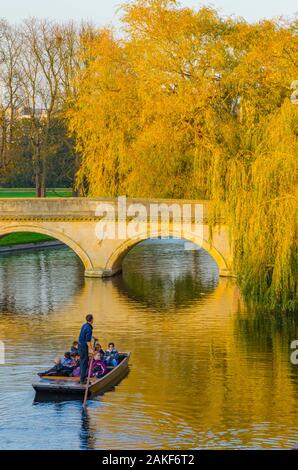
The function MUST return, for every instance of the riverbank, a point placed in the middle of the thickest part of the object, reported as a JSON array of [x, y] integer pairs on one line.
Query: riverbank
[[31, 246], [23, 240], [27, 241], [30, 192]]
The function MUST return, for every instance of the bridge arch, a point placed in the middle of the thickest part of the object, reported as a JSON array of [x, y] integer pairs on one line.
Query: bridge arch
[[114, 263], [54, 234]]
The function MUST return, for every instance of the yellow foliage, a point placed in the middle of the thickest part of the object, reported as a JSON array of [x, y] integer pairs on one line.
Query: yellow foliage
[[188, 104]]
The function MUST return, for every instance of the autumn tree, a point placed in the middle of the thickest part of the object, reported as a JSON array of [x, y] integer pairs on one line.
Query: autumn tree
[[189, 104]]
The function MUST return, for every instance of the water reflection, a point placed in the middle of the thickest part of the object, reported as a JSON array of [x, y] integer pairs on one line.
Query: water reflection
[[87, 437], [204, 372], [262, 335], [192, 274], [31, 281]]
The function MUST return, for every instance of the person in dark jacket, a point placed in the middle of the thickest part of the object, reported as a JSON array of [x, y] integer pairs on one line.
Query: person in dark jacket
[[55, 370], [111, 357], [75, 347], [85, 347], [98, 348], [59, 369], [67, 360]]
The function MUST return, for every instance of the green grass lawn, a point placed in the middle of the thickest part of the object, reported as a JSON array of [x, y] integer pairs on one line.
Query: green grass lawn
[[30, 192], [20, 237], [23, 237]]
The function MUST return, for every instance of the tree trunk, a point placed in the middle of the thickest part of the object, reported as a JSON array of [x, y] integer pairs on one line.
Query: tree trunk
[[39, 179], [43, 178], [38, 186], [76, 192]]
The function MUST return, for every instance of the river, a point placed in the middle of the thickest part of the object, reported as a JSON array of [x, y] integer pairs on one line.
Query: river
[[205, 372]]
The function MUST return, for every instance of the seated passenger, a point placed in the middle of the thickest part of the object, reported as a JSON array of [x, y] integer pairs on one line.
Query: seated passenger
[[76, 372], [67, 360], [98, 348], [56, 370], [76, 366], [98, 366], [63, 368], [75, 347], [75, 359], [111, 355]]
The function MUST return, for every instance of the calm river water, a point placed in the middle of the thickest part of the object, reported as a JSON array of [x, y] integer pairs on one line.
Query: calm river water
[[204, 372]]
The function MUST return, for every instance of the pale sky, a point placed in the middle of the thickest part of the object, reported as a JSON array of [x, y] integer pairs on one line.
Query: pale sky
[[103, 12]]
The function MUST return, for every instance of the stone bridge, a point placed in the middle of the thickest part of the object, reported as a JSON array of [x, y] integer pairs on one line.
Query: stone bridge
[[102, 231]]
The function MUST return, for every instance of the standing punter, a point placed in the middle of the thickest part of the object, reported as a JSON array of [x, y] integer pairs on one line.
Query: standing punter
[[85, 346]]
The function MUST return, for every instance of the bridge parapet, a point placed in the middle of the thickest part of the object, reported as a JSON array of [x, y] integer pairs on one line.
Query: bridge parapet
[[89, 208], [74, 221]]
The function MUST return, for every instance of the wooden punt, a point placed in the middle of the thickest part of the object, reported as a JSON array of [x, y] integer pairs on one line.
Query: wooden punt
[[70, 386]]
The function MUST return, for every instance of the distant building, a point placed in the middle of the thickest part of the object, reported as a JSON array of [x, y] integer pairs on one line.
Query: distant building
[[25, 112], [28, 113]]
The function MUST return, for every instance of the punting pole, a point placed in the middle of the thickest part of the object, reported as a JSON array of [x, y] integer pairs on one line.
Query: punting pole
[[87, 384]]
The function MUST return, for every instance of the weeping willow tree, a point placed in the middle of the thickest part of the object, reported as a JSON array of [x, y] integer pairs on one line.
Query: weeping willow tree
[[256, 185], [262, 211], [188, 104]]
